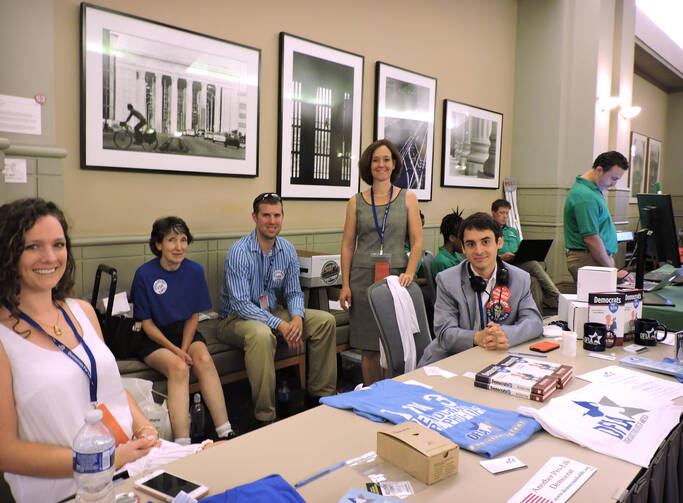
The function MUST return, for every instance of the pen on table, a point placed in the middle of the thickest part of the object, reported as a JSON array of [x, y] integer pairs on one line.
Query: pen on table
[[320, 474], [515, 353]]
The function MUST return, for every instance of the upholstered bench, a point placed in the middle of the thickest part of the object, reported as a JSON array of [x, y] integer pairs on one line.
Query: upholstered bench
[[230, 361]]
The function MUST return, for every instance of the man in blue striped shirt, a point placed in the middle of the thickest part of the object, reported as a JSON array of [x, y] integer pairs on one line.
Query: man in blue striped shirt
[[261, 299]]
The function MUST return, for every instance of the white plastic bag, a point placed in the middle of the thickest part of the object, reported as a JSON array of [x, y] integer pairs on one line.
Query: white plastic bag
[[157, 414]]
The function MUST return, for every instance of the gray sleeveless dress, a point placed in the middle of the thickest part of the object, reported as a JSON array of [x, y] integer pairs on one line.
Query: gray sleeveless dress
[[364, 331]]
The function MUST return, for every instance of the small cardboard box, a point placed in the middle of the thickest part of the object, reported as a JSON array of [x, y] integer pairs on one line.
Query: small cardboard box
[[319, 269], [595, 279], [423, 453], [633, 308], [608, 308], [563, 301], [577, 315]]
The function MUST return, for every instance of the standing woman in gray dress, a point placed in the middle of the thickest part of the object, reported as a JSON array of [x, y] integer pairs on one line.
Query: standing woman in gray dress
[[377, 221]]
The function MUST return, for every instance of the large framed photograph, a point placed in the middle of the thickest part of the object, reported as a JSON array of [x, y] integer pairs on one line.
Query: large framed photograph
[[321, 93], [654, 155], [472, 139], [159, 98], [636, 172], [405, 105]]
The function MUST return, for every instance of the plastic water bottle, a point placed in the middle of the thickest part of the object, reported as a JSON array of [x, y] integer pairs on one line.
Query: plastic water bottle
[[93, 460], [197, 419], [283, 397]]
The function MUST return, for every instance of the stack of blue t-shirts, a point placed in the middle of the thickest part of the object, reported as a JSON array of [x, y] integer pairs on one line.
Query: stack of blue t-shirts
[[477, 428], [270, 489]]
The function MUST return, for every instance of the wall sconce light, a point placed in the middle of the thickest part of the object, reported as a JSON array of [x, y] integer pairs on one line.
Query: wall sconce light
[[608, 103], [629, 112]]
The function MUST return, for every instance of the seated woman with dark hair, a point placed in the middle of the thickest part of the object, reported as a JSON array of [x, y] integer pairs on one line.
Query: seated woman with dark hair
[[44, 395], [168, 293]]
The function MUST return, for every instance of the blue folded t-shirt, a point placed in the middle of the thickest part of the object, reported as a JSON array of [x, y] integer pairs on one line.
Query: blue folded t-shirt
[[477, 428], [270, 489]]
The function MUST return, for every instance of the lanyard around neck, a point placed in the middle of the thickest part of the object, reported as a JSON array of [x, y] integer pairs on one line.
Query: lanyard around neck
[[91, 373], [384, 220]]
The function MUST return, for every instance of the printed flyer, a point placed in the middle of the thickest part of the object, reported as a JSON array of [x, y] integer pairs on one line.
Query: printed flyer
[[555, 482]]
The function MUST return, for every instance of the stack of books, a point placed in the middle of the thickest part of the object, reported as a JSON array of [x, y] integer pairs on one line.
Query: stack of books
[[525, 377]]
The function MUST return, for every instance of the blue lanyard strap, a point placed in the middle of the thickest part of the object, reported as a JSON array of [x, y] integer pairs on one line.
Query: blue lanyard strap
[[481, 312], [91, 373], [384, 220]]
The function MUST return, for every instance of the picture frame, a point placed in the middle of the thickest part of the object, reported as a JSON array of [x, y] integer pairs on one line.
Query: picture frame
[[654, 165], [193, 99], [319, 120], [637, 160], [471, 147], [405, 110]]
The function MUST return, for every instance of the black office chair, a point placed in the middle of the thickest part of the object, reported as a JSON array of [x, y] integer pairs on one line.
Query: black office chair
[[382, 306]]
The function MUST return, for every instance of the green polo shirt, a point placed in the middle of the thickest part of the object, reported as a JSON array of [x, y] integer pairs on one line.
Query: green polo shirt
[[586, 214], [445, 259], [510, 240]]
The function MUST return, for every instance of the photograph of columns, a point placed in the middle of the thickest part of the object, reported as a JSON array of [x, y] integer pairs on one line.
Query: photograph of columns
[[156, 97], [405, 106], [471, 146], [321, 90], [636, 161], [654, 153]]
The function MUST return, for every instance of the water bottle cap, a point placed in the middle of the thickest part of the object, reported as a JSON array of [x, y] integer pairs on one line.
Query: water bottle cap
[[93, 416], [197, 398]]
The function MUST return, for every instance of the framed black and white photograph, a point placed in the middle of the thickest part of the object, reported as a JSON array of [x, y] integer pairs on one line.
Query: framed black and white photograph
[[159, 98], [654, 155], [405, 105], [321, 92], [472, 138], [636, 172]]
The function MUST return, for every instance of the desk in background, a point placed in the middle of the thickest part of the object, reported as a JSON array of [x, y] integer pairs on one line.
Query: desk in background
[[304, 444]]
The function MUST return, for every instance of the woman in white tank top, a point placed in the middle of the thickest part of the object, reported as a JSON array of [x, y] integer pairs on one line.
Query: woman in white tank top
[[44, 394]]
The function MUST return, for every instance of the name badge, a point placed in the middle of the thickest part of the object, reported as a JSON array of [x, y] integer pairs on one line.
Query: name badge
[[263, 302], [381, 265]]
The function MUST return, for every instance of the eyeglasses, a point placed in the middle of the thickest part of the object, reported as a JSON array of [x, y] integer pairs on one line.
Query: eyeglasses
[[267, 195]]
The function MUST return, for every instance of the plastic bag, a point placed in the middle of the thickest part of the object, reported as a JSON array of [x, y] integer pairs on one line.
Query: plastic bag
[[157, 414]]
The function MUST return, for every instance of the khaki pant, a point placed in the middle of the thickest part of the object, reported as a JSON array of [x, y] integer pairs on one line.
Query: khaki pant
[[576, 259], [258, 343], [543, 290]]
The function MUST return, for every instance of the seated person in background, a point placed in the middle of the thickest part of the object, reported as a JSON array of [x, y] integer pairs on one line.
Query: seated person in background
[[168, 293], [543, 290], [261, 300], [450, 253], [44, 394], [482, 301]]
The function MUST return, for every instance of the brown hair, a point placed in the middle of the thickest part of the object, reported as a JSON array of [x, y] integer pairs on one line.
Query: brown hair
[[366, 159]]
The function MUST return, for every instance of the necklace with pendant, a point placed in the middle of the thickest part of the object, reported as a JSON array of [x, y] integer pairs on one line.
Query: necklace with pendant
[[55, 327]]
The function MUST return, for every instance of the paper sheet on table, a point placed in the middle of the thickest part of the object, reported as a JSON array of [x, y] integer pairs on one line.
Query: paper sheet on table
[[555, 482], [436, 371], [656, 387]]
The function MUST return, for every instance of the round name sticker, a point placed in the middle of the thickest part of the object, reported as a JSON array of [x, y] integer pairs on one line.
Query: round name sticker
[[160, 287], [278, 275]]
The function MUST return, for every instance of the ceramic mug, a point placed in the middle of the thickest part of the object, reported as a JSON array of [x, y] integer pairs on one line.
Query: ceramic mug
[[595, 337], [646, 331]]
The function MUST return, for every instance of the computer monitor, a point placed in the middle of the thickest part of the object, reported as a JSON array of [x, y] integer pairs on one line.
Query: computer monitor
[[657, 215]]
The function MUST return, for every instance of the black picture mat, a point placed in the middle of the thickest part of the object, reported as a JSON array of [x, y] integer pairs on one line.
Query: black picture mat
[[83, 97]]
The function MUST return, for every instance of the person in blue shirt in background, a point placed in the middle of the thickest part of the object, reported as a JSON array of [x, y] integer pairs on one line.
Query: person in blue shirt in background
[[261, 299], [168, 293]]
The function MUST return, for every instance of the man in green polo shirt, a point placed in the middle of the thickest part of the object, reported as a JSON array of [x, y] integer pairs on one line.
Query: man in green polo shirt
[[589, 232], [543, 290], [450, 253]]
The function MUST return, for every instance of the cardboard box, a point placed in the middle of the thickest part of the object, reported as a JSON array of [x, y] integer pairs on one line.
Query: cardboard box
[[423, 453], [595, 279], [608, 308], [633, 308], [577, 315], [563, 305], [319, 269]]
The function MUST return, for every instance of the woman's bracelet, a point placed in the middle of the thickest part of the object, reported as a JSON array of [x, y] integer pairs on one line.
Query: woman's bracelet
[[145, 427]]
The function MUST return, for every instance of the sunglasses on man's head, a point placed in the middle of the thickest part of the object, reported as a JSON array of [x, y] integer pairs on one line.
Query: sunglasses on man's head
[[266, 195]]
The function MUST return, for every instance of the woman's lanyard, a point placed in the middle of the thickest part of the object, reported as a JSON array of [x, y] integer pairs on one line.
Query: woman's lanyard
[[380, 232], [90, 374]]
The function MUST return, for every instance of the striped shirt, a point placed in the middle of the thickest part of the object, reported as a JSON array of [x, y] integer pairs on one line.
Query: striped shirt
[[249, 273]]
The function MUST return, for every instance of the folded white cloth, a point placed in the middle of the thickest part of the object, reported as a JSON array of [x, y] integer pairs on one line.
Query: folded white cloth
[[165, 453]]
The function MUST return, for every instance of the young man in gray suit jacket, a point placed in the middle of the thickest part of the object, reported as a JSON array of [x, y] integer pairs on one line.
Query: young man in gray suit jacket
[[482, 301]]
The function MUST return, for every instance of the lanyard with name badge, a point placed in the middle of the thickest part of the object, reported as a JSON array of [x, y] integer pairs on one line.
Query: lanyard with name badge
[[264, 303], [381, 260]]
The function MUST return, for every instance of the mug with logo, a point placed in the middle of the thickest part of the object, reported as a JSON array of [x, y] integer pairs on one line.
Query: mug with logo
[[646, 331], [595, 337]]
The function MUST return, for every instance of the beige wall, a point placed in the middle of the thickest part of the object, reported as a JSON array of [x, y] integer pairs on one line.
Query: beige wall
[[468, 46], [652, 119]]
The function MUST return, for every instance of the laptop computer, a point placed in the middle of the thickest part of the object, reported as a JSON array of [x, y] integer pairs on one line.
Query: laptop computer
[[532, 249], [650, 297]]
